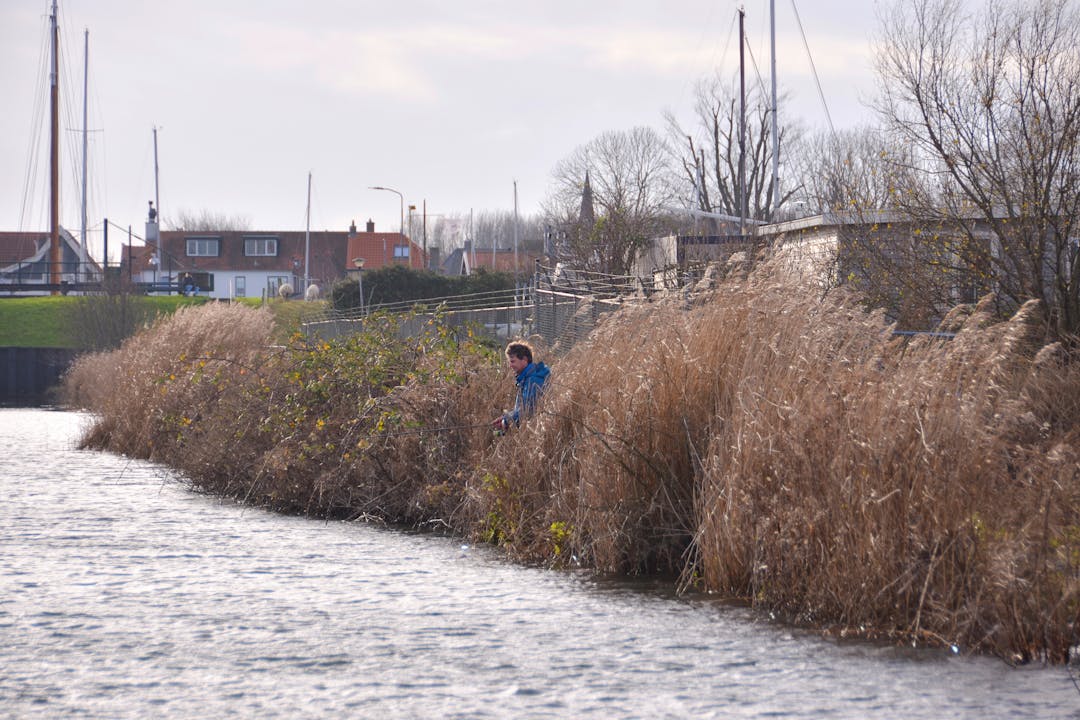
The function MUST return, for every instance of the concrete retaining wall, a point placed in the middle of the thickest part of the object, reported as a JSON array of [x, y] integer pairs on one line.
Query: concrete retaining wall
[[28, 374]]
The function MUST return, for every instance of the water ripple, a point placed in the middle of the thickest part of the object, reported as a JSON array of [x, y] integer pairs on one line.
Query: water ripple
[[123, 595]]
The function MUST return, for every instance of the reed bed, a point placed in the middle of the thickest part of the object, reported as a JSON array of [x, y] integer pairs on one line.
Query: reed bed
[[766, 443], [377, 426], [786, 449]]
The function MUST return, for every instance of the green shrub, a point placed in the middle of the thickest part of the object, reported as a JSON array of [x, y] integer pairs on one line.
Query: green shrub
[[397, 283]]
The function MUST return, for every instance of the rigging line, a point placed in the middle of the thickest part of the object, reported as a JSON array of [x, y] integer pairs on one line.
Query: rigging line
[[757, 71], [813, 69], [705, 25], [37, 120], [730, 35]]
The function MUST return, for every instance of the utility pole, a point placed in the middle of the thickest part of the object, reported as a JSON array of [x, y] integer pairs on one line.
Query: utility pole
[[516, 268], [307, 238], [157, 195]]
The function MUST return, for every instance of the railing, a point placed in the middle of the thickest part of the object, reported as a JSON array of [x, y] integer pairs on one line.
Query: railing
[[36, 276], [499, 313], [562, 305]]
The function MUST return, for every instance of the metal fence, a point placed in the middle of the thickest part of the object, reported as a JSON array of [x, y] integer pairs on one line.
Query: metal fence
[[499, 314], [562, 305]]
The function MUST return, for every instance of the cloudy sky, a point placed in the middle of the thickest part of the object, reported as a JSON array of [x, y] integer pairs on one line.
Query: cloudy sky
[[447, 102]]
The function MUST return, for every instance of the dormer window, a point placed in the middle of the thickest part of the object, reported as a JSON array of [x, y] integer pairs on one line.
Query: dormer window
[[401, 251], [203, 246], [260, 246]]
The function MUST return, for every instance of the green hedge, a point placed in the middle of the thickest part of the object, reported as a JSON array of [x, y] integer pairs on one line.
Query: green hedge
[[397, 283]]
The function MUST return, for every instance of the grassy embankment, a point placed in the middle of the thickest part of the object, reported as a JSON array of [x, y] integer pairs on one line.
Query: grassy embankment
[[50, 322], [767, 444]]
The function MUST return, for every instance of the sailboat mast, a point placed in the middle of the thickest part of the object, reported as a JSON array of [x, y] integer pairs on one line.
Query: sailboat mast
[[742, 124], [54, 156], [83, 251], [775, 117]]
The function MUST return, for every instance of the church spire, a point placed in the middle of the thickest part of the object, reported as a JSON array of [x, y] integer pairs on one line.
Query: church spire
[[587, 215]]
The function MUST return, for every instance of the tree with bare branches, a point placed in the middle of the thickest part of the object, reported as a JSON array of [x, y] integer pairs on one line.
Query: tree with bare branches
[[208, 220], [989, 105], [709, 154], [632, 190]]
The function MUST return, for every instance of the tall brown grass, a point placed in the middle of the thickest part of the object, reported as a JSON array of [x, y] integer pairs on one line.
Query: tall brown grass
[[784, 448], [377, 425], [768, 443]]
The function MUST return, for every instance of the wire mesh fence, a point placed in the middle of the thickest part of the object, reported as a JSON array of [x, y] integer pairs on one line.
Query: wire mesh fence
[[561, 305], [499, 314]]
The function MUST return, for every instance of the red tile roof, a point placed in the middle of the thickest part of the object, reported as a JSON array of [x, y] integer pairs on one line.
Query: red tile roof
[[377, 249]]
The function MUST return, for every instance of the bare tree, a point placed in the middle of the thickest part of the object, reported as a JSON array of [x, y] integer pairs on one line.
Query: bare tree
[[207, 220], [989, 105], [632, 189], [856, 170], [709, 155], [486, 229]]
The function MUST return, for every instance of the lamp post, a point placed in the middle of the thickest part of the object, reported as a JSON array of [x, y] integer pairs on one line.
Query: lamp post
[[359, 263], [401, 227]]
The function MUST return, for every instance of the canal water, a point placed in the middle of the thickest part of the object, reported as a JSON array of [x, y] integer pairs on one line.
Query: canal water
[[125, 595]]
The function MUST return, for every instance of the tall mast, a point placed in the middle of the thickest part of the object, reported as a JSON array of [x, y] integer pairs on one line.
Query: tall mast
[[775, 118], [54, 156], [83, 251], [742, 125]]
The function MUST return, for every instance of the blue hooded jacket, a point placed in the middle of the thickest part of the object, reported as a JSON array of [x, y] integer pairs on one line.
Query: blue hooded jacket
[[530, 383]]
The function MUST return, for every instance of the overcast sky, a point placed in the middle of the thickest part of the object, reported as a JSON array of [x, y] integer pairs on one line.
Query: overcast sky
[[448, 102]]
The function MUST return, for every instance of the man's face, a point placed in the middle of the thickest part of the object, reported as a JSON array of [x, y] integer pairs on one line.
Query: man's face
[[517, 364]]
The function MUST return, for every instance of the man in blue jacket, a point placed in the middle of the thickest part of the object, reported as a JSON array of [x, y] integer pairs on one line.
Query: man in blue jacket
[[530, 380]]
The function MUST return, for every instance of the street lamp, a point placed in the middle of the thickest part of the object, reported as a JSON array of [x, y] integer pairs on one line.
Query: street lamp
[[401, 227], [359, 263]]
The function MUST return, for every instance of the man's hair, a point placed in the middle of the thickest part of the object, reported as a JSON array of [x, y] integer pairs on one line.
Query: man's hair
[[520, 349]]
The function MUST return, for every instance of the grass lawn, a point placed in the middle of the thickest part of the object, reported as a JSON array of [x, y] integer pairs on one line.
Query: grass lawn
[[44, 321], [34, 322]]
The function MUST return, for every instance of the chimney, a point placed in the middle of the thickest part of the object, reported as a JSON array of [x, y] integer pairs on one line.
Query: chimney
[[370, 225], [352, 229]]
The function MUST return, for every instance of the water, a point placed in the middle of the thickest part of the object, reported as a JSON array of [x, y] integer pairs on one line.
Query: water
[[124, 595]]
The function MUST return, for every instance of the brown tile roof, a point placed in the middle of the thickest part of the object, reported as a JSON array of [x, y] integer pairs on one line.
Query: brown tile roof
[[504, 260], [377, 249]]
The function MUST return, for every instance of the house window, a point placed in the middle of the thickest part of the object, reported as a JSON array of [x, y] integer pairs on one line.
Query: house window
[[240, 284], [260, 246], [401, 251], [203, 246]]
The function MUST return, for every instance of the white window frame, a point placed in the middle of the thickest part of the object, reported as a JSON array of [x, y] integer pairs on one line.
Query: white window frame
[[261, 246], [401, 252], [202, 246], [240, 286]]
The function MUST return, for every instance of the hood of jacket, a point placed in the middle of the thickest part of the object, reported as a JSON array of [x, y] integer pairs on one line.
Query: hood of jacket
[[533, 372]]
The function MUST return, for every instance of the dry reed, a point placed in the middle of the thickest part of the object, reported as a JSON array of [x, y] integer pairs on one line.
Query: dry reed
[[768, 443], [781, 447]]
